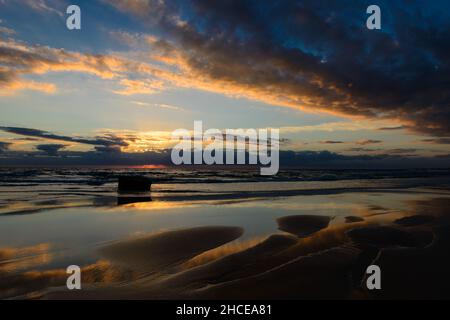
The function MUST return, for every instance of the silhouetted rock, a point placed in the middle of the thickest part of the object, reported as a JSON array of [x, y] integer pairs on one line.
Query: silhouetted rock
[[134, 183]]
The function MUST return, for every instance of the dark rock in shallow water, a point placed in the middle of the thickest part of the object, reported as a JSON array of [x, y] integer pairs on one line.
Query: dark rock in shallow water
[[303, 225], [134, 183], [351, 219], [414, 220]]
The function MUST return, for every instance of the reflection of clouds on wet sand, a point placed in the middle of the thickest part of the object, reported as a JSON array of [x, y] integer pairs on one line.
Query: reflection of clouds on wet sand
[[163, 250], [323, 257], [13, 259], [10, 253], [422, 273], [31, 284], [329, 263], [222, 251]]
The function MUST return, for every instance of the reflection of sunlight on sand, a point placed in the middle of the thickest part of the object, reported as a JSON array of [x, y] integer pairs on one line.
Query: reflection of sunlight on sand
[[161, 205], [14, 281], [152, 205], [300, 204], [333, 236], [435, 207], [379, 215], [156, 253], [26, 263], [13, 259], [222, 251], [358, 204], [26, 206], [9, 253], [274, 265], [31, 282]]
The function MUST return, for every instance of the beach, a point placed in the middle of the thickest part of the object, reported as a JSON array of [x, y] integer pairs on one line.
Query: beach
[[225, 235]]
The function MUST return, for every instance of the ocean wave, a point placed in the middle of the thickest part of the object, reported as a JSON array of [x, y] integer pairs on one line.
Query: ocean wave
[[99, 177]]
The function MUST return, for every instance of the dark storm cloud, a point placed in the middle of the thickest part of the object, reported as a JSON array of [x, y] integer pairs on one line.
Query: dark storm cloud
[[7, 76], [305, 159], [401, 151], [107, 140], [26, 139], [364, 150], [331, 142], [108, 149], [50, 149], [386, 152], [437, 140], [319, 54], [4, 146], [94, 158], [368, 141]]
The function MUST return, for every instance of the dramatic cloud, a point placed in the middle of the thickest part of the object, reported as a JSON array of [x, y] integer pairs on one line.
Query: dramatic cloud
[[368, 141], [4, 146], [26, 139], [437, 140], [107, 140], [50, 149], [136, 6], [139, 87], [331, 142], [108, 149], [368, 150], [150, 148], [313, 55], [401, 151], [17, 60], [304, 159], [387, 152], [42, 6]]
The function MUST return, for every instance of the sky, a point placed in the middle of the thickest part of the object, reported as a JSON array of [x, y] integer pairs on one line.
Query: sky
[[113, 92]]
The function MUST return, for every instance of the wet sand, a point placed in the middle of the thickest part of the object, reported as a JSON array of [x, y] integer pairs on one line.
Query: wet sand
[[310, 256], [303, 225], [315, 261], [160, 251]]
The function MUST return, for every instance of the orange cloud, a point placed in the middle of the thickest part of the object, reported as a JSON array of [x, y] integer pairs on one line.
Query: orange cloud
[[14, 86], [139, 87]]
